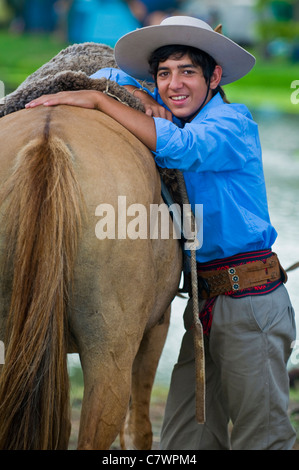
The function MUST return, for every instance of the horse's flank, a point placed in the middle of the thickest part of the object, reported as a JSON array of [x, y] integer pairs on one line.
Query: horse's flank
[[67, 290]]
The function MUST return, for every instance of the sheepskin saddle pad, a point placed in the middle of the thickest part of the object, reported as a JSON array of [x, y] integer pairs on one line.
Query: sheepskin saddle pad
[[69, 70]]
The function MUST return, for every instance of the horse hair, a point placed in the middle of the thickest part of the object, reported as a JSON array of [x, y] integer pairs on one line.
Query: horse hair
[[47, 213]]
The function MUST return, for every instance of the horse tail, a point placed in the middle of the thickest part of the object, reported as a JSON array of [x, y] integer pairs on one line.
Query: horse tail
[[43, 215]]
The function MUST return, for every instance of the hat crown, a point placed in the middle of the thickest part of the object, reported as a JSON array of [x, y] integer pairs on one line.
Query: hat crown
[[186, 21], [133, 50]]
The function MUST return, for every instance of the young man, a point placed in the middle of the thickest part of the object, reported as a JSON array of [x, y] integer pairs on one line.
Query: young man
[[246, 313]]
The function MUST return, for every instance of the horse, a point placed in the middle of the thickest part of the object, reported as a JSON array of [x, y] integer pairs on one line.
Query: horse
[[63, 289]]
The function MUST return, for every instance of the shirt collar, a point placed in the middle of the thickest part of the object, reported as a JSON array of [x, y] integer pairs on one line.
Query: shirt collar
[[213, 103]]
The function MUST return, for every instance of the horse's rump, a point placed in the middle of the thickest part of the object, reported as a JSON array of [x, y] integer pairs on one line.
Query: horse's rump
[[46, 153]]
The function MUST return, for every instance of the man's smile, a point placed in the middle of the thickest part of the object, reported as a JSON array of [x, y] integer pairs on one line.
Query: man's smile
[[179, 98]]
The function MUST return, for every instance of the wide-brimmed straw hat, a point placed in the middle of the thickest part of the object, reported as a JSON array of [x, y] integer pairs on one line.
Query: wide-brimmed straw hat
[[133, 50]]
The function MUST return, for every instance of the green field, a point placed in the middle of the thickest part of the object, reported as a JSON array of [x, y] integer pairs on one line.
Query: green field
[[268, 85], [21, 55]]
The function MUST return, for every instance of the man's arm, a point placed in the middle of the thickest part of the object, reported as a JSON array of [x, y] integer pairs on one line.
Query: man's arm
[[140, 124], [152, 108]]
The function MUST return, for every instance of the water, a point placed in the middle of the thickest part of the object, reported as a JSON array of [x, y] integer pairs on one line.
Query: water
[[279, 135], [280, 143]]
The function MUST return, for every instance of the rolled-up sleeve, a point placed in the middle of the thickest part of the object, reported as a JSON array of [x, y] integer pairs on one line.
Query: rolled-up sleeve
[[115, 75], [123, 79]]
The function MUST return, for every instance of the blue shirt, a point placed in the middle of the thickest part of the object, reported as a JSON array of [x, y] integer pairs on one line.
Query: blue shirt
[[219, 153]]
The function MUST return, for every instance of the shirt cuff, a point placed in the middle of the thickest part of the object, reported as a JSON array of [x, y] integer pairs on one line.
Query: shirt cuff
[[115, 75]]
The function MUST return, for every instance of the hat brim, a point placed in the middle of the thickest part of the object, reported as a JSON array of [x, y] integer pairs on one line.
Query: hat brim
[[133, 50]]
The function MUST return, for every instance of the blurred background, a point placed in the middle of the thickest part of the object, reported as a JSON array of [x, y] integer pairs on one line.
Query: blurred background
[[34, 31]]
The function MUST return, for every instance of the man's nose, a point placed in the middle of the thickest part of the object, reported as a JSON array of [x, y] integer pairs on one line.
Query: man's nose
[[175, 81]]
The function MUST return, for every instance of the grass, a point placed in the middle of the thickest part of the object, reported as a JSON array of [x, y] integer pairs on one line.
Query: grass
[[268, 85], [21, 55]]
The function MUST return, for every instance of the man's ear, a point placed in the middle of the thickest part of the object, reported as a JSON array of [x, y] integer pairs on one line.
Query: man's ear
[[216, 77]]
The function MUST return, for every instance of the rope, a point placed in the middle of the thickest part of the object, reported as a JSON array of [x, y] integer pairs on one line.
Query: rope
[[294, 266], [199, 353], [200, 387], [108, 93]]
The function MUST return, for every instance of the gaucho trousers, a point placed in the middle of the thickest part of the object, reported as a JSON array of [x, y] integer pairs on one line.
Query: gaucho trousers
[[247, 386]]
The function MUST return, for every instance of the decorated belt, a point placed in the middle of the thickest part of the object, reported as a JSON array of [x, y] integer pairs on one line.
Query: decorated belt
[[232, 278], [254, 273]]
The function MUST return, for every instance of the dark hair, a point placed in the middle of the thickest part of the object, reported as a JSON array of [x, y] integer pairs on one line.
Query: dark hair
[[197, 56]]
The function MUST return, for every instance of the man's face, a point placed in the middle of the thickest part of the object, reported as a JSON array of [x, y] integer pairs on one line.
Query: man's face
[[181, 85]]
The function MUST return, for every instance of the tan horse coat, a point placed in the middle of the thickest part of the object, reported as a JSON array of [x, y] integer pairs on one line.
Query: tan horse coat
[[115, 315]]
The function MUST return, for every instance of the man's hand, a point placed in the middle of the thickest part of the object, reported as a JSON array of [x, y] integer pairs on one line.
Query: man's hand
[[140, 124], [81, 98], [151, 107]]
